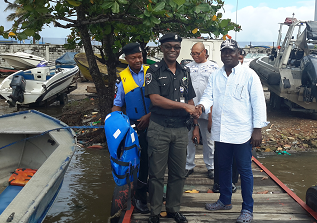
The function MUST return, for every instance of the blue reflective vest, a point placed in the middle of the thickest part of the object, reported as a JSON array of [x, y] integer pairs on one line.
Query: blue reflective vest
[[123, 146]]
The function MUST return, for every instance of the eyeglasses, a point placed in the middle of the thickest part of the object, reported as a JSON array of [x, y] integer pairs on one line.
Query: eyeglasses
[[169, 47], [196, 54]]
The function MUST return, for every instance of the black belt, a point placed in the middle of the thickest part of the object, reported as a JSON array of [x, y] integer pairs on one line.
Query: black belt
[[169, 121]]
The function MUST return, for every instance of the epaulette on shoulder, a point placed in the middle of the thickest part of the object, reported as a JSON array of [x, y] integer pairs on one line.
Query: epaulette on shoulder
[[156, 66]]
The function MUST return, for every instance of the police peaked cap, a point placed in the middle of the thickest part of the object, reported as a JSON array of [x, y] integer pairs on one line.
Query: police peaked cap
[[170, 37], [131, 48]]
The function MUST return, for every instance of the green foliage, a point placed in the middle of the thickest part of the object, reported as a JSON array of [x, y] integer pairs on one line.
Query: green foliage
[[122, 21]]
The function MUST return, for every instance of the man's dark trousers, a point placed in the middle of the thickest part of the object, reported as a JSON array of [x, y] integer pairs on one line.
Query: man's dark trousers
[[167, 147]]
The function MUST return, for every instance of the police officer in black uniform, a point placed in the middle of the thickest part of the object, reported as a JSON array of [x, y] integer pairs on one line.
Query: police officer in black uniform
[[168, 85]]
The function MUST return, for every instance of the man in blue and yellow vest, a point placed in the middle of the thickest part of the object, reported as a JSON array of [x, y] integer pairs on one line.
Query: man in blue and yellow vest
[[130, 93]]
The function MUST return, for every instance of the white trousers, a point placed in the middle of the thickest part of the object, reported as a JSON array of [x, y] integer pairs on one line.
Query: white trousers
[[208, 147]]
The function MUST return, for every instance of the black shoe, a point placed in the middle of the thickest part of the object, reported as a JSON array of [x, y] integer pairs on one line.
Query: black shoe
[[189, 172], [154, 219], [178, 217], [216, 188], [234, 188], [211, 174], [140, 207]]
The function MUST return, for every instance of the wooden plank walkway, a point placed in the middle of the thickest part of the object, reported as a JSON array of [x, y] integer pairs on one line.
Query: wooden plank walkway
[[271, 203]]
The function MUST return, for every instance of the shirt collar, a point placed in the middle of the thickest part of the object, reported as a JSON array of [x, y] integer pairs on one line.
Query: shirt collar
[[234, 70], [132, 72], [178, 66]]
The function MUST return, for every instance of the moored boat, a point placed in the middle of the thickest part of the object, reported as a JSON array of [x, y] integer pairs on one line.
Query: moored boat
[[82, 63], [21, 61], [289, 71], [27, 143], [39, 84]]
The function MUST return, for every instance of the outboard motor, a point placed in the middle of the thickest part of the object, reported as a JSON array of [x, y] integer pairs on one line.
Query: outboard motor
[[18, 88], [308, 68]]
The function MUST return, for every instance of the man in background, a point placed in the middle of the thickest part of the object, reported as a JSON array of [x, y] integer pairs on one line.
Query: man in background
[[200, 70]]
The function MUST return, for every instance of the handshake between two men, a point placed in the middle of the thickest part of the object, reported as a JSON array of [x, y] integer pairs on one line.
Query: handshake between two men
[[195, 111]]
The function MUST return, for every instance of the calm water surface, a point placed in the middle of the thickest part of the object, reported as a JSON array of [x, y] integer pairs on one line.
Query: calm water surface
[[297, 171], [87, 189]]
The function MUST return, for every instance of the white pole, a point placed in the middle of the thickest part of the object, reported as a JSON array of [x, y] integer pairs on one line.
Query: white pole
[[315, 19], [235, 34]]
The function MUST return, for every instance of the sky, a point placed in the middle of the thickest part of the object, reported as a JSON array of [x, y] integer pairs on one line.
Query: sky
[[258, 18]]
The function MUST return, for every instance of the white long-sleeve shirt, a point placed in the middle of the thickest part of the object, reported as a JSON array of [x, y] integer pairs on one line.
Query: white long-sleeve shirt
[[238, 104], [199, 73]]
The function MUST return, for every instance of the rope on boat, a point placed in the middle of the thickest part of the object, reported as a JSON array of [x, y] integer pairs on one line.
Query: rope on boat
[[57, 129]]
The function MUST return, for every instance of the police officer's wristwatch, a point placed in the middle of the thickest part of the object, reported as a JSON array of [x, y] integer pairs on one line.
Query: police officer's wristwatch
[[194, 125]]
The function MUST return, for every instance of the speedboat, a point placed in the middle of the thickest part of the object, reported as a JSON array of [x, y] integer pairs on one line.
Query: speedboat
[[290, 71], [35, 152], [39, 85], [21, 61]]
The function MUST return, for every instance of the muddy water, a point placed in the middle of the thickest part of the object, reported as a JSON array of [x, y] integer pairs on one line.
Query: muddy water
[[87, 189], [297, 171]]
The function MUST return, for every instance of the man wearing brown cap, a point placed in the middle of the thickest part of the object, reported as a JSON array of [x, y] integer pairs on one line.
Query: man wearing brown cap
[[169, 87], [130, 93], [238, 106]]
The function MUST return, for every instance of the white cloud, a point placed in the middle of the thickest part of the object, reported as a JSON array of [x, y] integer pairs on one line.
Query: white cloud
[[260, 24]]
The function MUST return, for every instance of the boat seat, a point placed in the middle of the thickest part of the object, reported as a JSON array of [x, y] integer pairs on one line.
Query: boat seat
[[40, 73], [8, 195]]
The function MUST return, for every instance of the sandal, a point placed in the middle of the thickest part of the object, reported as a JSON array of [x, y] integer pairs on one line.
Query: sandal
[[245, 216], [217, 206]]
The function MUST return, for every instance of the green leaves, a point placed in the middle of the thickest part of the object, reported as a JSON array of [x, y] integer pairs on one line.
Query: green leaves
[[160, 6], [114, 5], [179, 2], [29, 32], [224, 23], [202, 8], [1, 29]]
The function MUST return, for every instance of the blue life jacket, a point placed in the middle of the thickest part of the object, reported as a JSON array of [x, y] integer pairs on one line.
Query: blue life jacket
[[137, 105], [123, 146]]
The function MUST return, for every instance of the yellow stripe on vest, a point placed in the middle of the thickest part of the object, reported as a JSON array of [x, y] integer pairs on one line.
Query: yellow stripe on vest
[[128, 81]]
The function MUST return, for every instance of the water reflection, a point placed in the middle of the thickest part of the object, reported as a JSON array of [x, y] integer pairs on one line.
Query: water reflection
[[297, 171], [87, 189]]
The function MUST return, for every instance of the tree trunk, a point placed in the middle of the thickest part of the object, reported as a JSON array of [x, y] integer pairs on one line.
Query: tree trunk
[[144, 53], [104, 109], [111, 61]]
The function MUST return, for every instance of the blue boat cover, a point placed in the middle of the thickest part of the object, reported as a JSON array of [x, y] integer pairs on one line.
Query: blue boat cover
[[8, 195], [67, 58]]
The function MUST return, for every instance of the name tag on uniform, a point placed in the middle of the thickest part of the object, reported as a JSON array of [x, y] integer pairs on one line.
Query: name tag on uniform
[[182, 99]]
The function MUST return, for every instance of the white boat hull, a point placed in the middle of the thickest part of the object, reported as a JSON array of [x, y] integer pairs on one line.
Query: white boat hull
[[21, 61], [39, 89], [32, 145]]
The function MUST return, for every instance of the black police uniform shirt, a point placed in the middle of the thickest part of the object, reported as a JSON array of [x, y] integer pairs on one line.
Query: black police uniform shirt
[[160, 80]]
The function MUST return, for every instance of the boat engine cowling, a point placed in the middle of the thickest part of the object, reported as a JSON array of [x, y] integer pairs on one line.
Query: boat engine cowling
[[18, 88], [308, 68]]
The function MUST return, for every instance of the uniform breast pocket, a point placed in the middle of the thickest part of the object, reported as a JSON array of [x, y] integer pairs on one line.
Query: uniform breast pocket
[[164, 87], [239, 92]]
